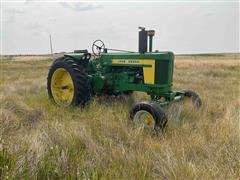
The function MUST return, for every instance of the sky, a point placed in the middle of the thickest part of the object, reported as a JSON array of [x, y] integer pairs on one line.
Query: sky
[[181, 27]]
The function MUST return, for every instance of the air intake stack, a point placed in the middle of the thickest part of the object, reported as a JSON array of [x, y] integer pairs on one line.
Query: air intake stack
[[143, 40]]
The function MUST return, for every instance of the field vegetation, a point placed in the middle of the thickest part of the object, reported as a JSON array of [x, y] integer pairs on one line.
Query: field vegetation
[[39, 140]]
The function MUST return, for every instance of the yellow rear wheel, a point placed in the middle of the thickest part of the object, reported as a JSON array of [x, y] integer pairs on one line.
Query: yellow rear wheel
[[62, 87], [68, 83]]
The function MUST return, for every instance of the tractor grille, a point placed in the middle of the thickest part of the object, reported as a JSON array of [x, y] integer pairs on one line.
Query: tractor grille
[[163, 72]]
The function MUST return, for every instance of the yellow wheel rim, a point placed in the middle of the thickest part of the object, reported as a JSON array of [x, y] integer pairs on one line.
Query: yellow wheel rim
[[145, 118], [62, 87]]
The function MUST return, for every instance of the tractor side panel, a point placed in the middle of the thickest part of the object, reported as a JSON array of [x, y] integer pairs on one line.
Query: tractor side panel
[[149, 72], [161, 75], [147, 64]]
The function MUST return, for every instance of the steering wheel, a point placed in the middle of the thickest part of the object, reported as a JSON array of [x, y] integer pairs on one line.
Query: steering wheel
[[98, 47]]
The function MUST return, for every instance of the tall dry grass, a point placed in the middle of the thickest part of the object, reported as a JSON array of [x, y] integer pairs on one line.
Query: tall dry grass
[[39, 140]]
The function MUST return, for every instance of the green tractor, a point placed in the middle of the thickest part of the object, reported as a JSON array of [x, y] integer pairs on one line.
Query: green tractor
[[74, 78]]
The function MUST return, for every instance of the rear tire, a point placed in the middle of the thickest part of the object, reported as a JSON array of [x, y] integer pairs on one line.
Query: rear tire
[[79, 94], [144, 112]]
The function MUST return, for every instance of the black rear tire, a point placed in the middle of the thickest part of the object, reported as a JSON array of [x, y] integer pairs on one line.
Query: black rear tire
[[154, 109], [79, 77]]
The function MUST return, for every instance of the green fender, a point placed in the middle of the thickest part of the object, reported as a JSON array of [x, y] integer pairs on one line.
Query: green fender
[[78, 58]]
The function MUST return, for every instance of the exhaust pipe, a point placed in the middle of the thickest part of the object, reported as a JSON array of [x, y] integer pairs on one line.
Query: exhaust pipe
[[143, 40]]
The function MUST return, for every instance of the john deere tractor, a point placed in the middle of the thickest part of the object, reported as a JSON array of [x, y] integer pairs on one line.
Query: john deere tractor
[[75, 77]]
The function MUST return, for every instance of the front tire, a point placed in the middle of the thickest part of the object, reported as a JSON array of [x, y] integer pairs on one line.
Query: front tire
[[196, 100], [68, 83], [149, 114]]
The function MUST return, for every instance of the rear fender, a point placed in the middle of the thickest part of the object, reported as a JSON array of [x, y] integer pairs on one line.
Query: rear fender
[[81, 58]]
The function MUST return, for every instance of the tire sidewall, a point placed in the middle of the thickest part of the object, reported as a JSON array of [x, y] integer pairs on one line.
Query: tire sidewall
[[196, 100], [152, 108]]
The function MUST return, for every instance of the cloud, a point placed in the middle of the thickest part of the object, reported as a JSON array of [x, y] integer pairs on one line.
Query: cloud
[[35, 25], [10, 20], [14, 11], [29, 1], [79, 6], [53, 20]]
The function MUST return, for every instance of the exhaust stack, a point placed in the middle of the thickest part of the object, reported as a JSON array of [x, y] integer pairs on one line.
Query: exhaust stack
[[143, 40]]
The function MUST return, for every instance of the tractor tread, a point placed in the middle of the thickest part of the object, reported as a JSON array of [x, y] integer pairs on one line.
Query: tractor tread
[[79, 77]]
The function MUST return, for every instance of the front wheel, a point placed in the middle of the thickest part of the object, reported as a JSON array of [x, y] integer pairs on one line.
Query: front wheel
[[149, 114], [68, 83], [196, 100]]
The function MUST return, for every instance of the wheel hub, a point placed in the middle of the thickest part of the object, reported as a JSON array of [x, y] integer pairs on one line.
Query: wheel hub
[[145, 118], [62, 87]]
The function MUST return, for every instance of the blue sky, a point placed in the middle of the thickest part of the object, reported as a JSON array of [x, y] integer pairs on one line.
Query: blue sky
[[181, 27]]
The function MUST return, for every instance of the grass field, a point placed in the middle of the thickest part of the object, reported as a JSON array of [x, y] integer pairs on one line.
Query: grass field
[[39, 140]]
